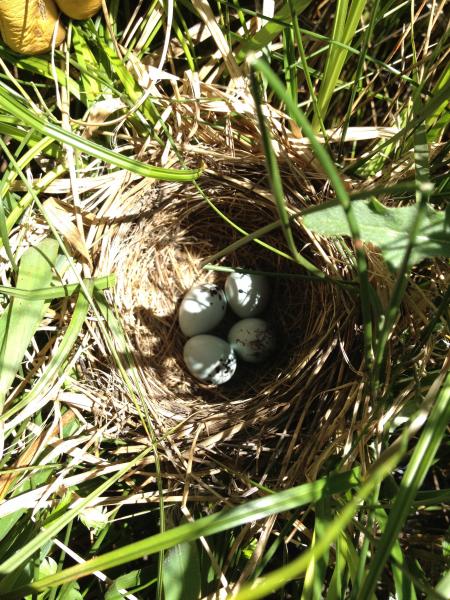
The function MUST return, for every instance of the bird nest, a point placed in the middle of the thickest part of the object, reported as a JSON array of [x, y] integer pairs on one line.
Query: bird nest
[[186, 234], [305, 403]]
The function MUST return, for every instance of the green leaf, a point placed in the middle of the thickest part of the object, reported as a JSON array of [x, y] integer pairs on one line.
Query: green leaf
[[181, 574], [95, 518], [70, 592], [19, 322], [443, 587], [388, 230], [128, 581], [47, 567]]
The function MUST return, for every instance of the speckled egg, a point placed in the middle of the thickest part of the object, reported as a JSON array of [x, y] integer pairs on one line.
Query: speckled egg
[[247, 294], [252, 340], [202, 309], [210, 359]]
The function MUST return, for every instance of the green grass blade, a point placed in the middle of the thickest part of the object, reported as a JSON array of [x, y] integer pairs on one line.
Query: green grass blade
[[42, 67], [55, 526], [59, 358], [304, 62], [341, 193], [317, 568], [270, 30], [133, 91], [215, 523], [121, 353], [437, 123], [61, 291], [343, 31], [422, 196], [90, 88], [28, 198], [428, 110], [346, 564], [13, 106], [289, 64], [359, 68], [4, 236], [363, 553], [404, 587], [276, 184], [19, 322], [27, 157], [419, 464], [132, 581]]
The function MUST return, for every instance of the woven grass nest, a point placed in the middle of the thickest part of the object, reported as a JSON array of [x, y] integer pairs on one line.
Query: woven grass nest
[[160, 255], [305, 400]]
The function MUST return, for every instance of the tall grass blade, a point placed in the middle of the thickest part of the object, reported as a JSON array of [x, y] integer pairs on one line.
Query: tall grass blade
[[359, 68], [55, 526], [276, 184], [424, 188], [317, 568], [403, 585], [344, 29], [215, 523], [14, 107], [345, 568], [304, 62], [90, 88], [418, 466], [341, 193], [19, 322], [270, 30]]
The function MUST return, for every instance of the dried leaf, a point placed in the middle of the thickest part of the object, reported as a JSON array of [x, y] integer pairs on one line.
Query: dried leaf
[[62, 221], [99, 113]]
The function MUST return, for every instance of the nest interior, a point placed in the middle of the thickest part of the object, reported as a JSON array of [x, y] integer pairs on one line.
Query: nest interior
[[160, 254]]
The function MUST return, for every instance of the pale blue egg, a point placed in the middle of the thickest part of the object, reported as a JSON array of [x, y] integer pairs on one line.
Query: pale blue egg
[[247, 294], [210, 359], [202, 309], [252, 340]]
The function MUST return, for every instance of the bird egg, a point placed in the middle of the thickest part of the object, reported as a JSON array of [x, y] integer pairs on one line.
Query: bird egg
[[252, 340], [210, 359], [202, 309], [247, 294]]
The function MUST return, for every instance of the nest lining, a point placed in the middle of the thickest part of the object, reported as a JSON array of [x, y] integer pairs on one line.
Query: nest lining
[[159, 256]]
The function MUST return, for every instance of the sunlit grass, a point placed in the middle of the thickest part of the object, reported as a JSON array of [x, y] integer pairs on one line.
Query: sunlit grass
[[80, 127]]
